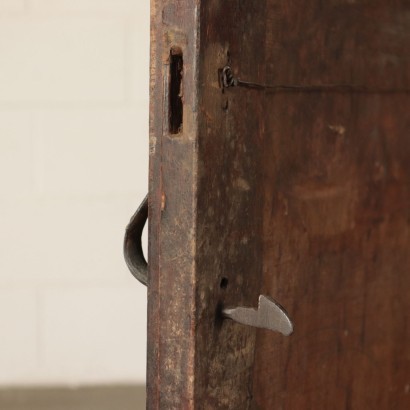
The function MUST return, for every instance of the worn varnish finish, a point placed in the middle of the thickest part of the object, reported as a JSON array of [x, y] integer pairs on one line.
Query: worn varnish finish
[[299, 195], [337, 209], [172, 208]]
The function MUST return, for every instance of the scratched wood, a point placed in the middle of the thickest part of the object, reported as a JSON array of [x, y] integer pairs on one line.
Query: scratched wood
[[303, 196], [337, 208]]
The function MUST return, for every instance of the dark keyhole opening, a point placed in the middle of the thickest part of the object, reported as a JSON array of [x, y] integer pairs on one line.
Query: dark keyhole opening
[[175, 91]]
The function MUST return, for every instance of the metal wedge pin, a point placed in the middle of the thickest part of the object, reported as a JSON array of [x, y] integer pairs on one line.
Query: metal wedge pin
[[269, 315]]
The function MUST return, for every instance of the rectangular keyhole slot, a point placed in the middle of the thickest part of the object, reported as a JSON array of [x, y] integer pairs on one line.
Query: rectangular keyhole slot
[[175, 91]]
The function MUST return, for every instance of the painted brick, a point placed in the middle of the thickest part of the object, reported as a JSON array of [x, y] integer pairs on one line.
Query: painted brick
[[73, 168], [11, 5], [18, 341], [61, 60], [95, 151], [16, 153], [65, 241], [137, 58], [95, 335], [91, 5]]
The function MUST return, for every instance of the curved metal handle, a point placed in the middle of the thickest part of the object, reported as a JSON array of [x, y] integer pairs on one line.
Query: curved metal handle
[[133, 254]]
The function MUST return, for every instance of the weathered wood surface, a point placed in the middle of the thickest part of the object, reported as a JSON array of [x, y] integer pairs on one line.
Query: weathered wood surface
[[337, 208], [304, 196], [172, 192]]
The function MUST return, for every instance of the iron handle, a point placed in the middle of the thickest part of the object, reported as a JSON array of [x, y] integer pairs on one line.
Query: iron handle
[[133, 254], [269, 315]]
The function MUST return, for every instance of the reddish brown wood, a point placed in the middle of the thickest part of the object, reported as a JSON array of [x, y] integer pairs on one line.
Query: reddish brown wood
[[337, 209], [171, 288], [304, 196]]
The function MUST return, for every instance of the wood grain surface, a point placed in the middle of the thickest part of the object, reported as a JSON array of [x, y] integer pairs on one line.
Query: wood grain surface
[[336, 233], [300, 195]]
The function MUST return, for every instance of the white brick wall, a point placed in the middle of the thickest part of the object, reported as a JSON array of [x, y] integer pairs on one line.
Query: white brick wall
[[56, 59], [11, 5], [18, 324], [94, 6], [16, 153], [73, 168]]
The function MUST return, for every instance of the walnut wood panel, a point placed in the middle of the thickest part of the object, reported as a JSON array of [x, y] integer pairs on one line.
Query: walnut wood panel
[[303, 196], [337, 208]]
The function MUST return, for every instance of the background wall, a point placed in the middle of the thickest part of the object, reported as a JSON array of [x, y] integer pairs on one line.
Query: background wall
[[73, 168]]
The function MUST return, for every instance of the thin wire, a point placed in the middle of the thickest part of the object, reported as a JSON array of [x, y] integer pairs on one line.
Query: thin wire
[[228, 80], [321, 87]]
